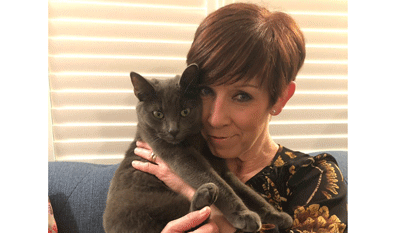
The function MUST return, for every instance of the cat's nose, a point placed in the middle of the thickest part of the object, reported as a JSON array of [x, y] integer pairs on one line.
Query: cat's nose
[[173, 132]]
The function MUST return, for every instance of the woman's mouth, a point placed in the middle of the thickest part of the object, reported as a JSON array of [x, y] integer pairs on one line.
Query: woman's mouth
[[220, 139], [216, 137]]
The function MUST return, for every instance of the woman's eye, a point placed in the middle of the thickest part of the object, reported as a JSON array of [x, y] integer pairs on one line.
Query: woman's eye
[[205, 91], [185, 112], [158, 114], [243, 97]]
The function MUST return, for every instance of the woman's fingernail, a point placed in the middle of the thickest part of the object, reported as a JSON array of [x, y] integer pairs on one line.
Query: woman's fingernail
[[135, 162], [204, 210]]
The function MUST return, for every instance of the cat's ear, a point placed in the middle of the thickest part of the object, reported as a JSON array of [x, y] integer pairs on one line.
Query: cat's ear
[[142, 88], [190, 79]]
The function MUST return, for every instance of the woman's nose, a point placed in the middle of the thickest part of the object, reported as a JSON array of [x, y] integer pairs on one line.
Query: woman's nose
[[218, 114]]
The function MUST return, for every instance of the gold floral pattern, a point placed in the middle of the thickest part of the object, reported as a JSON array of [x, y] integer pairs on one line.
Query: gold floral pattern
[[305, 187], [292, 170], [279, 162], [316, 219], [290, 154], [272, 194], [331, 177]]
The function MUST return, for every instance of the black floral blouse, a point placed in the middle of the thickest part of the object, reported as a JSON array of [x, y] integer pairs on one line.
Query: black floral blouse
[[311, 189]]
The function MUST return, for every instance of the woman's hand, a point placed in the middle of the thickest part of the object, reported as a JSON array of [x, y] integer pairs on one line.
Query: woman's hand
[[161, 170], [190, 221]]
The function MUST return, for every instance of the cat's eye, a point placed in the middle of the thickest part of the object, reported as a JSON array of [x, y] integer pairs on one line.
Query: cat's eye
[[158, 114], [185, 112]]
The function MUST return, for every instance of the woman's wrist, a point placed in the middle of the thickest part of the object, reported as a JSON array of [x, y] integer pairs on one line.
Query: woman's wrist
[[161, 170], [188, 192]]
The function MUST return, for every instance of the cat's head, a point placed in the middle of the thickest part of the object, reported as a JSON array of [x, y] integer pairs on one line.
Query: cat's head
[[171, 108]]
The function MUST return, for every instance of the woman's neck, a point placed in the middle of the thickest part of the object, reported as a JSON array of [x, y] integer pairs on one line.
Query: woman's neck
[[248, 165]]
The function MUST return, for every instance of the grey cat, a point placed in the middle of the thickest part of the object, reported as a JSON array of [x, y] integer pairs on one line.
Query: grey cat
[[169, 116]]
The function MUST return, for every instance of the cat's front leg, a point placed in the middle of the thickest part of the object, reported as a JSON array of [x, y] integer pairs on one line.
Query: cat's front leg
[[228, 203], [208, 193], [258, 204], [205, 195], [196, 171]]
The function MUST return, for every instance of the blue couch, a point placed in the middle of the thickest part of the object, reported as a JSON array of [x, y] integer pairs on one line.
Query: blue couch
[[78, 192]]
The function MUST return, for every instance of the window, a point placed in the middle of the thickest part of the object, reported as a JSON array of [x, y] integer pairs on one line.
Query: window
[[93, 45]]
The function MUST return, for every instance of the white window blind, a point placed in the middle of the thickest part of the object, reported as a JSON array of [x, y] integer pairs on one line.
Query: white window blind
[[93, 46]]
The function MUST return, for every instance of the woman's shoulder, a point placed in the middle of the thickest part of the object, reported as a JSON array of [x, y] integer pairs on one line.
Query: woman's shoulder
[[294, 170], [290, 162], [299, 167], [287, 157], [295, 181]]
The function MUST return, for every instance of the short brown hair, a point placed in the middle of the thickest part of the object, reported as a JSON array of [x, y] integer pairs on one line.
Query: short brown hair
[[245, 41]]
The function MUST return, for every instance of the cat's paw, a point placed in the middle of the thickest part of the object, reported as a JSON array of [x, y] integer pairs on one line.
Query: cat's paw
[[280, 219], [246, 221], [205, 195]]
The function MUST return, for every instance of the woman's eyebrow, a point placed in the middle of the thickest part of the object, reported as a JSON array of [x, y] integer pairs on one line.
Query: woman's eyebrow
[[247, 85]]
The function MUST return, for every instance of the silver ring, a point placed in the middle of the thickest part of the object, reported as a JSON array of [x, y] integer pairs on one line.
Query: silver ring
[[153, 156]]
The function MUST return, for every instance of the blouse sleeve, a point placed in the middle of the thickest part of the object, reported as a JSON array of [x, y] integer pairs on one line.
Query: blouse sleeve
[[316, 194]]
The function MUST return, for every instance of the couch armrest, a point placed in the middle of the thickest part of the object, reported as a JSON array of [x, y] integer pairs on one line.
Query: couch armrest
[[78, 193]]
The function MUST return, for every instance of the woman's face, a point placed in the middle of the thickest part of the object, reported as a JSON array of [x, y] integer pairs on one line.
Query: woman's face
[[235, 118]]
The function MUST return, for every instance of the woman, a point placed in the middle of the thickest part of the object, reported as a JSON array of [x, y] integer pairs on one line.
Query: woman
[[249, 59]]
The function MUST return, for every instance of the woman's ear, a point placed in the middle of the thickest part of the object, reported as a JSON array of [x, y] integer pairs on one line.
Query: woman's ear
[[283, 99]]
